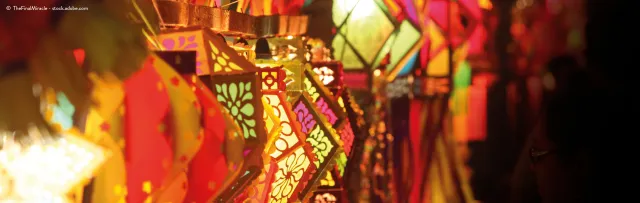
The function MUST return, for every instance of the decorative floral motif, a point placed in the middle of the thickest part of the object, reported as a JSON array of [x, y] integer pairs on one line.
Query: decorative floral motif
[[222, 62], [236, 98], [321, 145], [304, 117], [324, 109], [289, 174]]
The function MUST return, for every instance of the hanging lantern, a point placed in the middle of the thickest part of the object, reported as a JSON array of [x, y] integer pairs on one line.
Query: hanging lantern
[[214, 56], [324, 99], [148, 154], [212, 168], [320, 135], [185, 116]]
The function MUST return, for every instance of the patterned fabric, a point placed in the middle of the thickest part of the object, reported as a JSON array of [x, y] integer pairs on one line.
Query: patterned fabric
[[148, 153]]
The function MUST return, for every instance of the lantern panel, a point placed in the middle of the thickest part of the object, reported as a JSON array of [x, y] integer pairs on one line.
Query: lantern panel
[[185, 41], [240, 95], [292, 172], [341, 9], [407, 42], [367, 15], [320, 136], [324, 99], [365, 46], [290, 134], [272, 125], [344, 53]]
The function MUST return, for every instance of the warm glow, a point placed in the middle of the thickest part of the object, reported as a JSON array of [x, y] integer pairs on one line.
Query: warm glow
[[325, 74], [485, 4], [47, 170], [289, 37], [363, 9], [549, 82], [376, 73]]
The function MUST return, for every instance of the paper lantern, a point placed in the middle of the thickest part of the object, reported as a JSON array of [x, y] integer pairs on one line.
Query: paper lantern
[[324, 99], [147, 151], [320, 135], [356, 50], [212, 168], [288, 172], [214, 56]]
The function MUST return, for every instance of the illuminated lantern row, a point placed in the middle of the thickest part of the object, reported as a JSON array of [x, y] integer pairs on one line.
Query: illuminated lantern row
[[236, 86]]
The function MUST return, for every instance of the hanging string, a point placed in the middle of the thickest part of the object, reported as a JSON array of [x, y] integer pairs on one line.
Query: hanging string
[[229, 4], [153, 37]]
